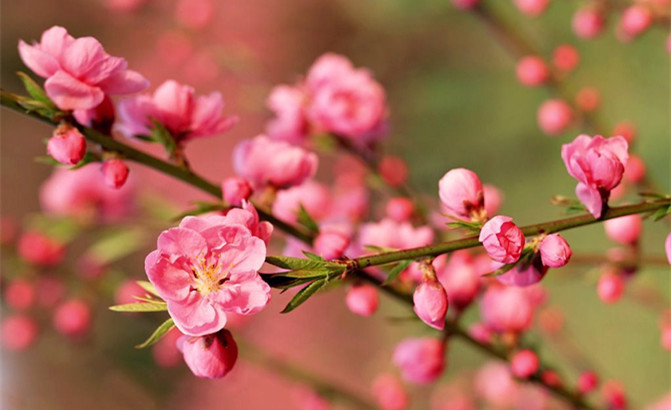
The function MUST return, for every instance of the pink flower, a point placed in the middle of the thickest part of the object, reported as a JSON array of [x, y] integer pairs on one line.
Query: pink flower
[[502, 239], [72, 318], [524, 363], [460, 280], [389, 392], [555, 251], [494, 383], [362, 300], [532, 71], [115, 173], [393, 170], [506, 309], [345, 100], [610, 287], [236, 190], [313, 196], [635, 20], [67, 145], [267, 162], [667, 247], [18, 332], [587, 22], [206, 267], [80, 193], [587, 381], [128, 292], [400, 209], [421, 361], [554, 116], [625, 230], [566, 57], [331, 244], [211, 356], [532, 7], [195, 14], [634, 172], [390, 234], [598, 164], [177, 108], [430, 303], [625, 130], [290, 123], [19, 294], [79, 72], [461, 193], [40, 250]]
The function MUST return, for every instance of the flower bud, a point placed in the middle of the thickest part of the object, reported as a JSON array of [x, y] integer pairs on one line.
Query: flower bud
[[459, 279], [331, 244], [524, 274], [236, 190], [587, 23], [532, 71], [39, 250], [551, 378], [461, 193], [610, 287], [20, 294], [634, 171], [18, 332], [431, 303], [421, 360], [624, 230], [210, 356], [635, 20], [480, 332], [389, 393], [667, 247], [362, 300], [524, 364], [587, 382], [532, 7], [502, 239], [115, 173], [554, 116], [666, 338], [393, 170], [506, 309], [588, 99], [400, 209], [67, 145], [565, 57], [555, 251], [614, 395], [72, 318]]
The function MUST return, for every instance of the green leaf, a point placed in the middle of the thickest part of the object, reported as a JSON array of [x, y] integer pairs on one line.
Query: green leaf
[[278, 281], [46, 159], [306, 220], [396, 270], [141, 307], [160, 331], [660, 213], [313, 256], [288, 262], [148, 287], [116, 244], [471, 226], [160, 134], [304, 294], [201, 208], [36, 91]]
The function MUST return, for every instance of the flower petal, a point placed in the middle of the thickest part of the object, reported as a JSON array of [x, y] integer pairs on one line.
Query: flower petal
[[170, 280], [182, 242], [197, 317], [68, 93]]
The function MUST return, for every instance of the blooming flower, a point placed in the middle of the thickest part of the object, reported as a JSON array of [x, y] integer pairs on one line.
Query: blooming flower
[[420, 360], [502, 239], [79, 72], [506, 309], [209, 266], [263, 161], [459, 278], [598, 164], [389, 392], [290, 123], [177, 108], [362, 300], [625, 230], [313, 196]]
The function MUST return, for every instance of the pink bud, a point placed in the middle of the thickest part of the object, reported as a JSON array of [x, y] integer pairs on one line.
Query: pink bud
[[532, 71], [39, 250], [393, 170], [666, 338], [626, 130], [554, 116], [566, 57], [588, 99], [532, 7], [506, 309], [587, 382], [400, 209], [667, 247], [128, 292], [461, 193], [524, 364], [524, 274], [431, 303], [480, 332], [502, 239], [587, 23], [211, 356], [610, 287], [635, 20], [555, 251], [493, 199], [421, 360], [459, 279], [236, 190], [465, 4], [551, 378], [115, 173], [67, 145], [634, 171], [331, 244], [20, 294], [624, 230], [18, 332], [72, 318], [614, 395], [362, 300], [389, 393]]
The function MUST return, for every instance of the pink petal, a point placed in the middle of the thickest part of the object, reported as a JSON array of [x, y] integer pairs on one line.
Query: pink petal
[[177, 242], [248, 256], [41, 62], [171, 281], [591, 198], [175, 102], [124, 82], [245, 298], [55, 40], [134, 114], [82, 57], [68, 93], [197, 317]]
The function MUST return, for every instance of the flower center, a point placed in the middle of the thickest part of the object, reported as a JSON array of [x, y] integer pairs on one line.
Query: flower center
[[208, 276]]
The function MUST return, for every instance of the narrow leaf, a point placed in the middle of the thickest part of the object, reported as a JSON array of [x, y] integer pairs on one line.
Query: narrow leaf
[[35, 90], [396, 270], [160, 134], [313, 256], [141, 307], [160, 331], [288, 262], [148, 287], [304, 294], [306, 220]]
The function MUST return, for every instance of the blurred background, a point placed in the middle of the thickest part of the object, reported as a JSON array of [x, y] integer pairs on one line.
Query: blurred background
[[455, 102]]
